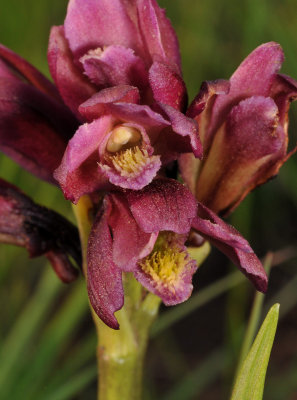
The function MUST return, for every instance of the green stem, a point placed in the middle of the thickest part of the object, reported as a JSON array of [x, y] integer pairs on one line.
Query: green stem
[[120, 353]]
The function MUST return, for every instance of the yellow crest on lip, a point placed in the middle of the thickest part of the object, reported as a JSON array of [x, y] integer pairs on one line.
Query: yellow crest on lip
[[165, 266], [130, 161]]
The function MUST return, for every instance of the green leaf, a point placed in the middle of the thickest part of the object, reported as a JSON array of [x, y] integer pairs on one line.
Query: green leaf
[[249, 384]]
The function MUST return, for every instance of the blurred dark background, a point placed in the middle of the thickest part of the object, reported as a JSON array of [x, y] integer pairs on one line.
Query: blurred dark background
[[47, 341]]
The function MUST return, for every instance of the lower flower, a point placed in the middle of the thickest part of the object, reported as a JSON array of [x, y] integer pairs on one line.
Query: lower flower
[[144, 232]]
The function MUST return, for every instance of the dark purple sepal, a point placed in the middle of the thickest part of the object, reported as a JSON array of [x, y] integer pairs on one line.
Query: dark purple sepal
[[34, 128], [231, 243], [40, 230], [29, 73], [104, 278], [164, 205], [130, 243]]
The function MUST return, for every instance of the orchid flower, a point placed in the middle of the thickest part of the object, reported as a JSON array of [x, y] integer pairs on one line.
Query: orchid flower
[[144, 232], [126, 83], [105, 44], [243, 125]]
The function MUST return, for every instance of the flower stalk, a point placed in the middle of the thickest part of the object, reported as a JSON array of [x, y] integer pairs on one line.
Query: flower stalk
[[120, 353]]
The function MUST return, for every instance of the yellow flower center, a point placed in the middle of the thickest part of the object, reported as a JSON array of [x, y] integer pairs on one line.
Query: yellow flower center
[[122, 138], [129, 161], [165, 266]]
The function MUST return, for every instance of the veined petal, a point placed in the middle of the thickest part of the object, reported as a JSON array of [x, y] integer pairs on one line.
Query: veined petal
[[96, 106], [243, 154], [167, 271], [34, 128], [38, 229], [78, 173], [130, 243], [168, 86], [113, 66], [159, 36], [104, 278], [90, 24], [73, 86], [164, 205], [232, 244]]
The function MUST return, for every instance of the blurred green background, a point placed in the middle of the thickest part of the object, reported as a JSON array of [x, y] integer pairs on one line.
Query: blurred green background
[[47, 341]]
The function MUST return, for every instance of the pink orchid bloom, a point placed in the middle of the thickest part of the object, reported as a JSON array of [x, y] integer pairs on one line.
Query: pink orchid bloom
[[243, 125], [144, 232], [125, 147], [109, 71], [40, 230], [109, 43]]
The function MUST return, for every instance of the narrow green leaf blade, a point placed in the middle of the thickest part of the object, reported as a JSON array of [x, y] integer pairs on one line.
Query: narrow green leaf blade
[[249, 384]]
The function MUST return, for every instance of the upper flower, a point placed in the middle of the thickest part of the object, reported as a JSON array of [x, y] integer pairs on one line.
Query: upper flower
[[124, 146], [243, 125], [117, 66], [107, 43]]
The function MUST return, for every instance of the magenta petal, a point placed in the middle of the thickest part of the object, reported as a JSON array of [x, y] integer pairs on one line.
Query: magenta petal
[[78, 173], [167, 86], [185, 127], [158, 34], [138, 114], [73, 86], [27, 71], [253, 77], [210, 226], [232, 244], [104, 279], [164, 205], [33, 128], [40, 230], [113, 66], [95, 106], [130, 243], [90, 24]]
